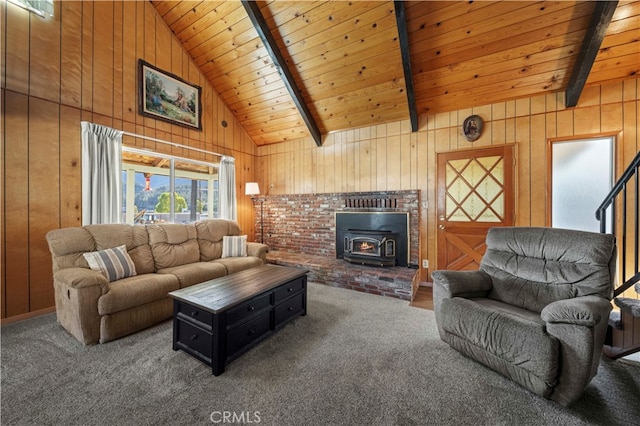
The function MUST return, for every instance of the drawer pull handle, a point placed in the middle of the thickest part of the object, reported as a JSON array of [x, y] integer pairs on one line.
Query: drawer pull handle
[[194, 314], [251, 308], [290, 308], [251, 332], [289, 289], [194, 337]]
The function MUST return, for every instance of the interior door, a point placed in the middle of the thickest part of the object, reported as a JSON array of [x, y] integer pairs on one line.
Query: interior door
[[475, 192]]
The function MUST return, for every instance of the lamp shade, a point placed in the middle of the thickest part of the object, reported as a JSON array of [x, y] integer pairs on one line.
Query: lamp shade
[[251, 188]]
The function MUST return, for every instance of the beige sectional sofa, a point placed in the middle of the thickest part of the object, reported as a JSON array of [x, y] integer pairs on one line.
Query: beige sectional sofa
[[166, 257]]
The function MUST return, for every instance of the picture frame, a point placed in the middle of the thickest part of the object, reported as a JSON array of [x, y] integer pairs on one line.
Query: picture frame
[[472, 127], [167, 97]]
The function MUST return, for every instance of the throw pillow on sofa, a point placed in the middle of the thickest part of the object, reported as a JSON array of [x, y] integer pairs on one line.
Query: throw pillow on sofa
[[114, 263], [234, 246]]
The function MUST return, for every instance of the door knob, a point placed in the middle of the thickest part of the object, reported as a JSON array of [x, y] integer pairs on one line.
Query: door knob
[[441, 217], [441, 226]]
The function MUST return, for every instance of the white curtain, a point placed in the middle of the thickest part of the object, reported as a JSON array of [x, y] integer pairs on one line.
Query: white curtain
[[101, 174], [228, 206]]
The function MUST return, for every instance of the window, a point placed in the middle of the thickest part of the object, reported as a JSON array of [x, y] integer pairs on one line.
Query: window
[[582, 174], [150, 178], [42, 8]]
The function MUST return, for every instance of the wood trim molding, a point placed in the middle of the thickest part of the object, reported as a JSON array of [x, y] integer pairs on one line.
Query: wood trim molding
[[33, 314]]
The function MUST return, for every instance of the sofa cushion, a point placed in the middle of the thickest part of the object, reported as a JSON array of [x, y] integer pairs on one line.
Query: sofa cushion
[[510, 340], [237, 264], [234, 246], [67, 246], [113, 263], [210, 234], [134, 237], [135, 291], [195, 273], [173, 244]]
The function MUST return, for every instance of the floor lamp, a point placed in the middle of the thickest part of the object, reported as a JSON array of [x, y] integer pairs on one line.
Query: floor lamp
[[252, 189]]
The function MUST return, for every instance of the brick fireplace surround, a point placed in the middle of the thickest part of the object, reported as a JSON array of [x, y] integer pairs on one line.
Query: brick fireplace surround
[[300, 231]]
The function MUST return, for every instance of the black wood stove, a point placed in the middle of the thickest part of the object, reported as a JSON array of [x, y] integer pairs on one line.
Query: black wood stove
[[369, 247], [373, 238]]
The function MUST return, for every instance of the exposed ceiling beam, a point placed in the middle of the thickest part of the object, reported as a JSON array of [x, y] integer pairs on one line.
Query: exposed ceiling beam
[[260, 24], [600, 20], [401, 22]]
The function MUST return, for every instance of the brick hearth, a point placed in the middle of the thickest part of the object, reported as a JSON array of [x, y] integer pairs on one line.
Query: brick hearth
[[300, 230], [305, 223], [395, 281]]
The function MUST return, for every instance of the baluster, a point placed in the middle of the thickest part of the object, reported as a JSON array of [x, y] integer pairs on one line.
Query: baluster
[[637, 214], [624, 232]]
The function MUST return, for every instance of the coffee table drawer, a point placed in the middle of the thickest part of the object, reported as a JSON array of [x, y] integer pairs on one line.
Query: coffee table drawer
[[247, 333], [289, 289], [195, 338], [289, 308], [248, 309], [193, 313]]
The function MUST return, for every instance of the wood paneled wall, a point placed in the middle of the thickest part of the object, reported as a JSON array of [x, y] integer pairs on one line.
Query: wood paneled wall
[[390, 157], [82, 65]]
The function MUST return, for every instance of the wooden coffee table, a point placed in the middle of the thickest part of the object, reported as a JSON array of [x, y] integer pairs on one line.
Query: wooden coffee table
[[218, 320]]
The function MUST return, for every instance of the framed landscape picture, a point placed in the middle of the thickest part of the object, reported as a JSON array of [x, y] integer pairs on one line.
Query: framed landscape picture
[[167, 97]]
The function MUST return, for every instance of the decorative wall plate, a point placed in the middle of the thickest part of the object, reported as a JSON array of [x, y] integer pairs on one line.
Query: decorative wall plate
[[472, 127]]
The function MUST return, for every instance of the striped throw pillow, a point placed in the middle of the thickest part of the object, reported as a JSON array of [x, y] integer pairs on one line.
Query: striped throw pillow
[[114, 263], [234, 246]]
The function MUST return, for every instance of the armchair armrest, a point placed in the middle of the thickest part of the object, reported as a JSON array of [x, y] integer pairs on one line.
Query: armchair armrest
[[257, 250], [585, 311], [462, 283], [580, 325], [449, 284]]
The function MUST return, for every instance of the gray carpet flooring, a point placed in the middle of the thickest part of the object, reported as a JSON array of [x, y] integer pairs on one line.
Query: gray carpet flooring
[[355, 359]]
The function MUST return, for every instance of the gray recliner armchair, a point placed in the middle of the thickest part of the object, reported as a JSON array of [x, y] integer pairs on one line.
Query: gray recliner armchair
[[537, 309]]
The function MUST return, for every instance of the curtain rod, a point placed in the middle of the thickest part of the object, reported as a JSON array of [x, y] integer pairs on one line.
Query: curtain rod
[[178, 145]]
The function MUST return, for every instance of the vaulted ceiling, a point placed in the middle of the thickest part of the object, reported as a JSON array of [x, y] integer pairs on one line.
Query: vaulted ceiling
[[292, 69]]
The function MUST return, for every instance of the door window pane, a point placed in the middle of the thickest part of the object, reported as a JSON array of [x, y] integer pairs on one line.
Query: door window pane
[[474, 190]]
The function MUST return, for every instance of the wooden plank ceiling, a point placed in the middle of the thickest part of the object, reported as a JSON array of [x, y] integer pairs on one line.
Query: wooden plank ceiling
[[345, 56]]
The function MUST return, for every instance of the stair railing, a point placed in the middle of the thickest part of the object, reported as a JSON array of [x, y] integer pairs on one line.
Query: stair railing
[[620, 192]]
